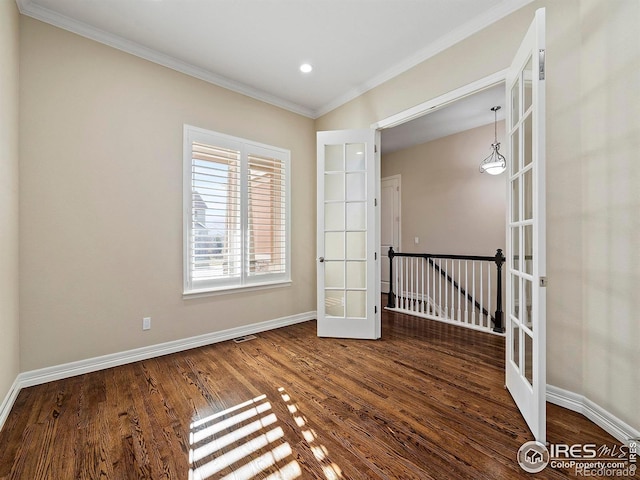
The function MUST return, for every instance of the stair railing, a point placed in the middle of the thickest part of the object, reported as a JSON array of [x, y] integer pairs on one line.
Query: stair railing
[[455, 289]]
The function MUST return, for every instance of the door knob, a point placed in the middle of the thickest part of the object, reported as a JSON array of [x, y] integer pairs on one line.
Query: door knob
[[321, 259]]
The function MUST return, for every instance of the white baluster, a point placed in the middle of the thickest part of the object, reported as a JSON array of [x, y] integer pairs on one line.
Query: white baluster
[[481, 319], [422, 289], [446, 288], [490, 294], [426, 266], [473, 292], [459, 280], [466, 289], [439, 286], [400, 282]]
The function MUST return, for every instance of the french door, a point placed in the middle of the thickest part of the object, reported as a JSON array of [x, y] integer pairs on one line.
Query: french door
[[347, 260], [526, 260]]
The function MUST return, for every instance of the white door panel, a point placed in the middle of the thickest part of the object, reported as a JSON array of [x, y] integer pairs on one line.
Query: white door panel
[[348, 266], [526, 260]]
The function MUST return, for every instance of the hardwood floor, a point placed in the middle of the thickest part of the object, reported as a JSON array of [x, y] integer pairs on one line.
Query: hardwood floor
[[425, 402]]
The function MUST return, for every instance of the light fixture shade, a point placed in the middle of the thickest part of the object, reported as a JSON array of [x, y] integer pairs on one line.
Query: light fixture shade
[[495, 163]]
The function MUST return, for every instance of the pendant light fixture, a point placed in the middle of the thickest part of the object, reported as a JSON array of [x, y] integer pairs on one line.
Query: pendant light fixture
[[495, 163]]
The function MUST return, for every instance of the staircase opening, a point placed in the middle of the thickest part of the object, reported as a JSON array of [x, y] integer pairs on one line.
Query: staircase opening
[[453, 217]]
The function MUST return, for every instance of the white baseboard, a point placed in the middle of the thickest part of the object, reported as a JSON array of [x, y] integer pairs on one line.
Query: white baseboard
[[66, 370], [598, 415], [9, 400]]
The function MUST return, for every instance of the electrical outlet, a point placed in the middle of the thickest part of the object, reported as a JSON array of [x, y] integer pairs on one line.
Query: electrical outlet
[[416, 240], [146, 323]]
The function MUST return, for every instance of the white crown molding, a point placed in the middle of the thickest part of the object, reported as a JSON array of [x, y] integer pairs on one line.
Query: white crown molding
[[455, 36], [594, 412], [58, 372], [28, 8]]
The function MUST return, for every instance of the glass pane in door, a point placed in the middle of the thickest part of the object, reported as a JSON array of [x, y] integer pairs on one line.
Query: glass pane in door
[[333, 186], [334, 245], [356, 218], [334, 158], [334, 275], [515, 347], [527, 76], [528, 357], [334, 303], [334, 216], [356, 190], [355, 157], [356, 303], [514, 162], [527, 179], [356, 245], [515, 103], [515, 247], [515, 295], [515, 192], [527, 303], [356, 274], [528, 249]]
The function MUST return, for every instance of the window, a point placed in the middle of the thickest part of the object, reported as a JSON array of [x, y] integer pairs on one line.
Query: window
[[236, 200]]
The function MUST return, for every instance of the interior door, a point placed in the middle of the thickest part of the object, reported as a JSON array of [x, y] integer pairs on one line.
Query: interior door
[[348, 266], [526, 296], [389, 225]]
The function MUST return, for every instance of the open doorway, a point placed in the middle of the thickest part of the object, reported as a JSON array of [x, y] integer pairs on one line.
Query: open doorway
[[446, 268], [447, 205]]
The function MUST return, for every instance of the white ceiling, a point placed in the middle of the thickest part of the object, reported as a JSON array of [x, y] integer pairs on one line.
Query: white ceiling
[[256, 46], [467, 113]]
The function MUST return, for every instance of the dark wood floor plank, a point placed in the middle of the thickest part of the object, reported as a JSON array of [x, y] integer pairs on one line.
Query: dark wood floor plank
[[427, 401]]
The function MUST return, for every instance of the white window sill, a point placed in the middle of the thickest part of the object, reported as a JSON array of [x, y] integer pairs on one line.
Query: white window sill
[[210, 292]]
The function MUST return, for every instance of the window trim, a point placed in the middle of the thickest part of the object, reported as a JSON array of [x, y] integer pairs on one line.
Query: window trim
[[246, 282]]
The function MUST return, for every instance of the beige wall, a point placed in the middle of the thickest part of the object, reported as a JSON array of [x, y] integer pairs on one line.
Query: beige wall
[[446, 201], [592, 179], [9, 74], [101, 200], [610, 181]]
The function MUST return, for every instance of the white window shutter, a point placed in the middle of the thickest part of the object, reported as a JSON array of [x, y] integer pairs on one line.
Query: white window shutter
[[216, 231], [266, 215], [236, 213]]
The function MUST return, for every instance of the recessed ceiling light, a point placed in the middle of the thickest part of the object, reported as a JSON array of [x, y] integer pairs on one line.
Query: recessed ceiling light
[[306, 68]]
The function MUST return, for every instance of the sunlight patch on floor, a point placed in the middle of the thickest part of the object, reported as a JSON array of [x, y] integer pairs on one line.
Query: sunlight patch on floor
[[248, 440], [330, 469], [244, 439]]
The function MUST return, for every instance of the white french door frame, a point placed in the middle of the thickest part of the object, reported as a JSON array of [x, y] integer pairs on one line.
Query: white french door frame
[[441, 101]]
